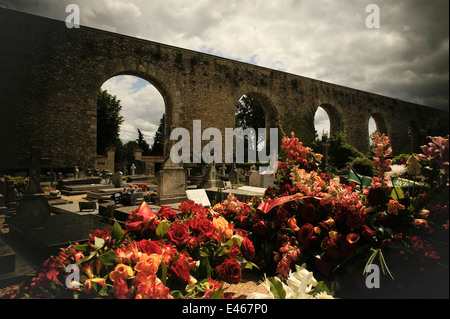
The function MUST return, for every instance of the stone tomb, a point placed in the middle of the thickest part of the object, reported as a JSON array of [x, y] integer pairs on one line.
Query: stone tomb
[[43, 230]]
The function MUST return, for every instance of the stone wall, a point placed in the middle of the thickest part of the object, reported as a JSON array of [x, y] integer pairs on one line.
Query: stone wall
[[51, 76]]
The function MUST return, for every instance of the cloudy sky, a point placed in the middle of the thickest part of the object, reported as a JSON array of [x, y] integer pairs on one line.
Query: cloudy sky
[[407, 57]]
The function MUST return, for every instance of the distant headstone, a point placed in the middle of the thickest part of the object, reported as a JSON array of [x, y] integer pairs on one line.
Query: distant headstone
[[267, 180], [91, 205], [254, 178], [117, 179], [227, 185], [171, 183], [233, 175], [199, 196]]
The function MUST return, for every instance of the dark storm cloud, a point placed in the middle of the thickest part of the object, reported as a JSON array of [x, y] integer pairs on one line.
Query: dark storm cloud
[[407, 57]]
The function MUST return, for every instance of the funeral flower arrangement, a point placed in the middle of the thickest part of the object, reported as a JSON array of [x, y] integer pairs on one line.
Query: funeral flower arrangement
[[159, 255], [338, 230], [310, 219]]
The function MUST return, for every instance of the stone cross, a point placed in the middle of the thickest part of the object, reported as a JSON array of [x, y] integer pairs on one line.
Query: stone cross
[[35, 163]]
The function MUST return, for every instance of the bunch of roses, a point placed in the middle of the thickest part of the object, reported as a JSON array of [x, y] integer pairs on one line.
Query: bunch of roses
[[210, 244], [160, 255]]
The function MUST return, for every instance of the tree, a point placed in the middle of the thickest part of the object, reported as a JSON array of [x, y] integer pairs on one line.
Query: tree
[[250, 114], [108, 121], [142, 144], [157, 148]]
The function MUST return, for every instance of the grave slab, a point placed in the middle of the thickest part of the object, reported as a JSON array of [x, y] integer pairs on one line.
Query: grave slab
[[199, 196], [59, 231]]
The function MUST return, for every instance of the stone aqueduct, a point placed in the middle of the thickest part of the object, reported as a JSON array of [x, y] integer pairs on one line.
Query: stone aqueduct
[[50, 76]]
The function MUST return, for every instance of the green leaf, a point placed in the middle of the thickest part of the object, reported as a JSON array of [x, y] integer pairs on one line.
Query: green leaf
[[79, 247], [235, 238], [109, 258], [163, 272], [98, 243], [162, 229], [86, 258], [204, 252], [320, 287], [397, 194], [116, 231], [276, 288]]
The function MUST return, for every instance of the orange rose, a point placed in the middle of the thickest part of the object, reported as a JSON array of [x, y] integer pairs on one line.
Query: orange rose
[[148, 263], [121, 271], [220, 224], [334, 235]]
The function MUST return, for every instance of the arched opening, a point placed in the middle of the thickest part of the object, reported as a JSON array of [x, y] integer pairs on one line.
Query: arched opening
[[256, 112], [327, 120], [321, 123], [141, 128], [376, 124]]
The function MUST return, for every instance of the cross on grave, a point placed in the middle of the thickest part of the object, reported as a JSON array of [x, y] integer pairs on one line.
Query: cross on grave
[[34, 164]]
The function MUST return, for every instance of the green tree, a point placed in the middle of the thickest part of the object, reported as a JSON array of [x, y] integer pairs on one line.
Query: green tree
[[108, 121], [157, 148], [142, 144]]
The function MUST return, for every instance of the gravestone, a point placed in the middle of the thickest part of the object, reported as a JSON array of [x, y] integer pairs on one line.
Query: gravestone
[[171, 184], [227, 185], [212, 180], [267, 180], [199, 196], [233, 175], [117, 179], [254, 178], [33, 209], [44, 231]]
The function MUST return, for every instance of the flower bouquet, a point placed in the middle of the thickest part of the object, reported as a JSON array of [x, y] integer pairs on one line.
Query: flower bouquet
[[159, 255]]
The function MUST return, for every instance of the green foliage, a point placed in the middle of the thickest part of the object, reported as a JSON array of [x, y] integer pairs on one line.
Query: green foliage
[[21, 184], [108, 121], [157, 148], [363, 166]]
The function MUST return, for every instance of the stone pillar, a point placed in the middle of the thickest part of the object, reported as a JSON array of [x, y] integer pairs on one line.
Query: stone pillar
[[110, 153], [138, 154]]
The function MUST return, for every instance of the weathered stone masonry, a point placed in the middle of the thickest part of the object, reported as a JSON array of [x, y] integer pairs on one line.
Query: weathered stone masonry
[[50, 76]]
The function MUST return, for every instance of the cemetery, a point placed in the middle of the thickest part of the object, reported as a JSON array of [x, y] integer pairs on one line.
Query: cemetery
[[198, 245], [345, 216]]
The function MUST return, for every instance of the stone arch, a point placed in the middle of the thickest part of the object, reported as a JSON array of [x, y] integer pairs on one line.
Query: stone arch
[[270, 111], [158, 84], [333, 116], [379, 122]]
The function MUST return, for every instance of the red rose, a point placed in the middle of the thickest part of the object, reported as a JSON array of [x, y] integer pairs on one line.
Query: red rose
[[355, 220], [305, 234], [167, 213], [260, 227], [247, 249], [229, 271], [202, 226], [149, 247], [180, 271], [178, 234], [309, 213]]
